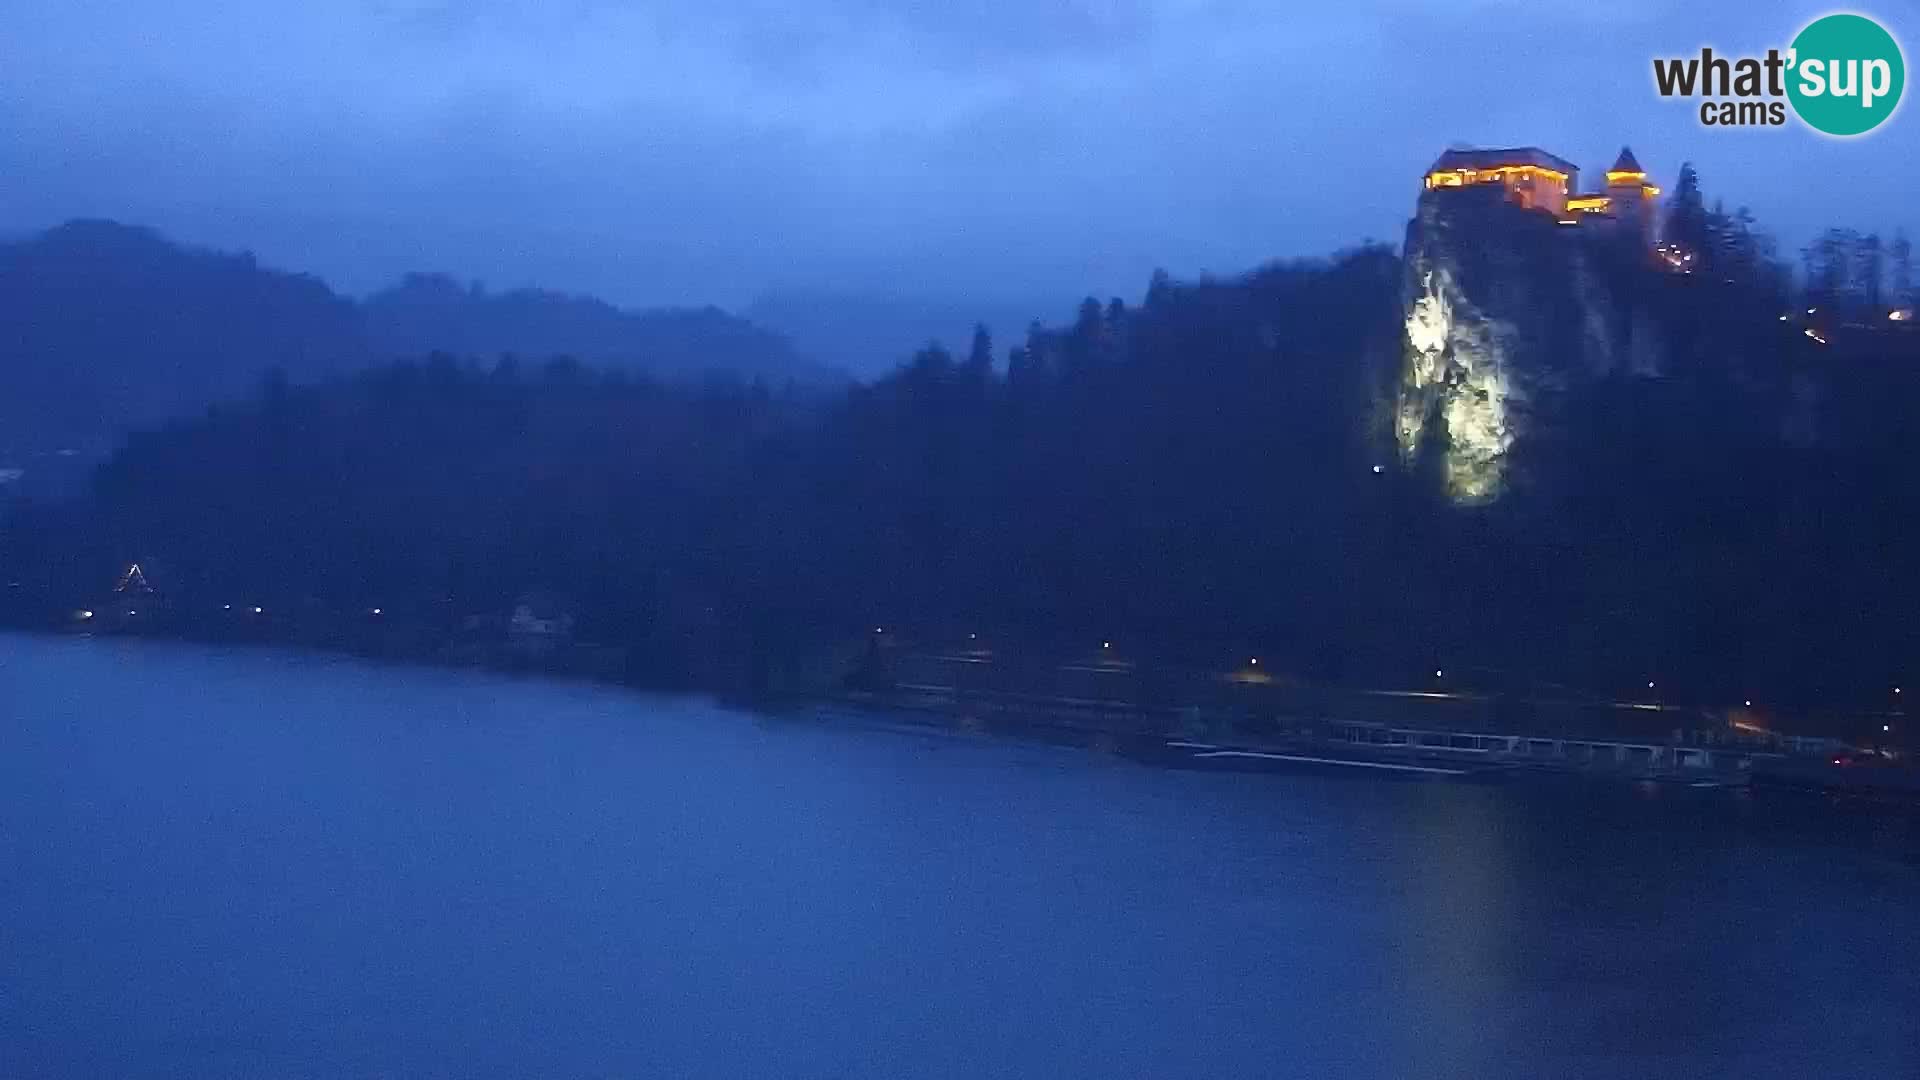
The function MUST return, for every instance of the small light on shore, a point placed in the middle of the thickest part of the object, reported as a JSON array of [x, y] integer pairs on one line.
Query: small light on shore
[[973, 637], [1437, 673], [257, 611], [1748, 703], [130, 611], [86, 614], [1106, 644], [1379, 469], [1649, 684], [1886, 727], [376, 611], [226, 607], [1254, 661], [879, 630]]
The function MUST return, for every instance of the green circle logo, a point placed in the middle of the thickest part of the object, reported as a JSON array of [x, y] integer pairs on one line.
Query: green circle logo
[[1846, 74]]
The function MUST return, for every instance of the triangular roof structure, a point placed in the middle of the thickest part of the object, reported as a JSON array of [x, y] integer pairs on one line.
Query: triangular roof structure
[[1626, 162], [133, 580]]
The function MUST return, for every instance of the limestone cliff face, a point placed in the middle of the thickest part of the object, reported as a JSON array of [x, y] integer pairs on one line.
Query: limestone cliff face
[[1507, 314]]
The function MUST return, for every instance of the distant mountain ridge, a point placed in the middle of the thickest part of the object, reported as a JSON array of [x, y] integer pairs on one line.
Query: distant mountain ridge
[[871, 335], [425, 312], [106, 327]]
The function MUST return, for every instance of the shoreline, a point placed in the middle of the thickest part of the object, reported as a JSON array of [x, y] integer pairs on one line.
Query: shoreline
[[1195, 736]]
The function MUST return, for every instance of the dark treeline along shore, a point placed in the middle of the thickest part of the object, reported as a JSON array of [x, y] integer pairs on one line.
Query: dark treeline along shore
[[1206, 474]]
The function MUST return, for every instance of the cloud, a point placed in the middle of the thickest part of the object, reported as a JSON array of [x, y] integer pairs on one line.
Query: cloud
[[686, 150]]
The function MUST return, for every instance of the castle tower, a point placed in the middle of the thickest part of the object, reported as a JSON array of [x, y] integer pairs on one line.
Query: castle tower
[[1630, 199]]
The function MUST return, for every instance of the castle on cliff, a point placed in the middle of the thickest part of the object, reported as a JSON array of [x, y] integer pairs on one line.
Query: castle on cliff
[[1532, 178]]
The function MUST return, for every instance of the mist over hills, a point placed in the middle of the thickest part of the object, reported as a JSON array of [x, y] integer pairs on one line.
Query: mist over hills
[[434, 312], [870, 335], [106, 327], [1530, 452]]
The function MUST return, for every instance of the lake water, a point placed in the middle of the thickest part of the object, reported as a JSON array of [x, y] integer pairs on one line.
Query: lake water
[[262, 864]]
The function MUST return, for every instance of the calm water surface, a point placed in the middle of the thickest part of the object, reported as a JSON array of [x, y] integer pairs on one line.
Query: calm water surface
[[259, 864]]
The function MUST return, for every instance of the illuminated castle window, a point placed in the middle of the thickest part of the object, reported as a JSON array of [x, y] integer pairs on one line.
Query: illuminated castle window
[[1537, 180]]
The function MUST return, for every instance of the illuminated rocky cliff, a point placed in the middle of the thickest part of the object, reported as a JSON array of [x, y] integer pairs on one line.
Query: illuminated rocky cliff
[[1507, 314]]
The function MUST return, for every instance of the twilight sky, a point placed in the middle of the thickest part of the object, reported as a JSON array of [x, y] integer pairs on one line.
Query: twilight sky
[[706, 150]]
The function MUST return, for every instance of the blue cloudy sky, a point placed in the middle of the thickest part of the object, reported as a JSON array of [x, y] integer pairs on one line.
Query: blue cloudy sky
[[706, 150]]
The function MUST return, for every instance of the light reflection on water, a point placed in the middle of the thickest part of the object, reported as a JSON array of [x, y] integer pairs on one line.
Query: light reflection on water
[[259, 863]]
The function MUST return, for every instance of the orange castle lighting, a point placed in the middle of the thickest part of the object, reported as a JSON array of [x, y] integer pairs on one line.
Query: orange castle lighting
[[1533, 178], [1537, 180]]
